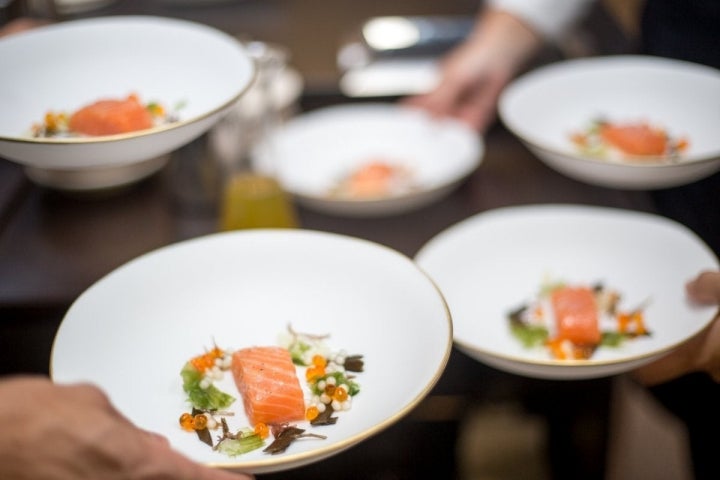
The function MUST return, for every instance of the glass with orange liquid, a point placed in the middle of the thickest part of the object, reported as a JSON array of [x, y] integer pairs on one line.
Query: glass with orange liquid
[[251, 199]]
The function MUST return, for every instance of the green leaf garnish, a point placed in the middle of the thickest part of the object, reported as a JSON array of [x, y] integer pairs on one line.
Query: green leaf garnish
[[529, 335], [241, 444], [210, 398], [612, 339]]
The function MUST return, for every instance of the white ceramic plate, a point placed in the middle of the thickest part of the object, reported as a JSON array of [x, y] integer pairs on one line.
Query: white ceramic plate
[[493, 262], [132, 331], [165, 60], [314, 151], [545, 106]]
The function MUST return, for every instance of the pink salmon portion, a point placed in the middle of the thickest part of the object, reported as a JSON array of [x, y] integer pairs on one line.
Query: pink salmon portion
[[268, 383], [576, 315]]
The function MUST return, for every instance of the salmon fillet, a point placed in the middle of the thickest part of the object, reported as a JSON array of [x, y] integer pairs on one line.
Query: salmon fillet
[[109, 117], [371, 180], [635, 139], [268, 383], [576, 315]]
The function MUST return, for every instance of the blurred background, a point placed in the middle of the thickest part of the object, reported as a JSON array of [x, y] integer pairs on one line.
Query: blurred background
[[341, 53]]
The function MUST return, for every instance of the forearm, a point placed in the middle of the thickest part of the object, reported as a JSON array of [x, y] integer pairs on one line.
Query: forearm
[[548, 18], [504, 39]]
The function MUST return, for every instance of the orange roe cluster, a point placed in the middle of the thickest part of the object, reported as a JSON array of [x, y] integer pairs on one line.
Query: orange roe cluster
[[261, 430], [329, 387], [205, 362], [190, 422], [632, 323]]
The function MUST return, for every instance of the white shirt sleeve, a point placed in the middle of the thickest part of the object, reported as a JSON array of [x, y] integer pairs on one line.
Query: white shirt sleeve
[[551, 18]]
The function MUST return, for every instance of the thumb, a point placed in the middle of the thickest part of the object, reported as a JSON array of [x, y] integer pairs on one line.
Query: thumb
[[705, 288], [180, 467]]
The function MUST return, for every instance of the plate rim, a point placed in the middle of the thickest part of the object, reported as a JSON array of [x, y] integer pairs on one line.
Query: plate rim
[[293, 460], [612, 60], [119, 20], [563, 209], [477, 157]]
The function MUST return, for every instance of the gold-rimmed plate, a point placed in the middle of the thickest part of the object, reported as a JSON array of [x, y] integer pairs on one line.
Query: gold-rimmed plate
[[195, 71], [132, 331], [489, 264], [314, 152]]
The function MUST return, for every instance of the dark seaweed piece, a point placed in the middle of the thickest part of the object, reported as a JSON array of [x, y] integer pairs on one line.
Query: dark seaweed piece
[[204, 434], [286, 436], [225, 428], [354, 363], [325, 417], [585, 352], [515, 316]]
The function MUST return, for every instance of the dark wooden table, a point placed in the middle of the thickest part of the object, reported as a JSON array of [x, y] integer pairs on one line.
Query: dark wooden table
[[54, 245]]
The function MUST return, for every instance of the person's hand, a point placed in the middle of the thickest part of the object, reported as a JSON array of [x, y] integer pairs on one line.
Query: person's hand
[[699, 354], [55, 432], [474, 74], [22, 24]]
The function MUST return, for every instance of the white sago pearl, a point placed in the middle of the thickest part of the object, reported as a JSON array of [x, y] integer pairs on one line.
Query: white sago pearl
[[337, 406], [321, 384], [321, 407], [205, 383], [211, 422], [347, 405], [325, 398], [331, 380]]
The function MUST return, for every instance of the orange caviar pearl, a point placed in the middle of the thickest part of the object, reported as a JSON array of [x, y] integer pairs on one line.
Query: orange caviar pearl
[[330, 389], [262, 430], [156, 109], [186, 421], [311, 413], [202, 363], [340, 394], [199, 422], [313, 373], [319, 361]]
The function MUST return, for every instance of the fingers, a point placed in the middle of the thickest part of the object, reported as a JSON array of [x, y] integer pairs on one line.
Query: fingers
[[22, 24], [94, 398], [156, 438], [705, 288], [206, 473], [441, 102], [156, 456], [479, 110], [181, 467]]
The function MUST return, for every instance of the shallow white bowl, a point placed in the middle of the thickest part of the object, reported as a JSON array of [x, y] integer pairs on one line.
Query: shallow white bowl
[[491, 263], [132, 331], [315, 150], [68, 65], [545, 106]]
